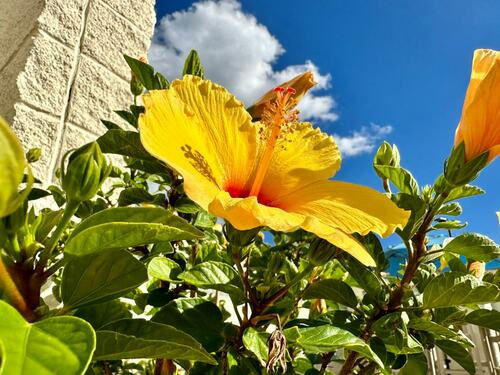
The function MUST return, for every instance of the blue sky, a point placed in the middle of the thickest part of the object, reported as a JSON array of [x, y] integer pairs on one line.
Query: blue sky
[[401, 65]]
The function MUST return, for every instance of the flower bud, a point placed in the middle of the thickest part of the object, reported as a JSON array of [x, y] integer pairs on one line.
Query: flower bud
[[33, 155], [239, 238], [478, 127], [386, 155], [458, 170], [322, 251], [301, 84], [86, 171]]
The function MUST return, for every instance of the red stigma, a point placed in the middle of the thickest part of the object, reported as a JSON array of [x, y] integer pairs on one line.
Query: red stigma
[[279, 89], [291, 90]]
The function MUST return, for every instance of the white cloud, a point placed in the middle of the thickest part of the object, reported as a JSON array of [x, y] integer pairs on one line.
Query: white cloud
[[236, 51], [362, 141]]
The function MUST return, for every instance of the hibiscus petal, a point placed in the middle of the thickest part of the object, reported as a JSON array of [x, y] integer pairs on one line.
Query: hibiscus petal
[[248, 213], [203, 132], [348, 207], [478, 126], [301, 157]]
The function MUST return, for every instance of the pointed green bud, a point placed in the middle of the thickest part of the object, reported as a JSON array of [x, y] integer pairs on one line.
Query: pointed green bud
[[33, 155], [85, 173], [193, 65], [321, 252], [386, 155]]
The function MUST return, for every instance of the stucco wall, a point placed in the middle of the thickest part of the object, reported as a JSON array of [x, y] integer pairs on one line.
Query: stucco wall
[[62, 70]]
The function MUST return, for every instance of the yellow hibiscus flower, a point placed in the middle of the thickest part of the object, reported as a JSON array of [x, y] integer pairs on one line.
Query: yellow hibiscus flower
[[479, 126], [272, 173]]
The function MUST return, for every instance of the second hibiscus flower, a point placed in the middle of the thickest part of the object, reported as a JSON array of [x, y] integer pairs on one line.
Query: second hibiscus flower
[[273, 173]]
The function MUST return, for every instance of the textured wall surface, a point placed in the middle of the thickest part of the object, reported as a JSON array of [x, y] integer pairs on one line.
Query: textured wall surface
[[62, 70]]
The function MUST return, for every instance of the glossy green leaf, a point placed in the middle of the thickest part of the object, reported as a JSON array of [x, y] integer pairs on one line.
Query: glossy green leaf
[[417, 207], [134, 196], [363, 276], [463, 192], [474, 247], [416, 364], [60, 345], [164, 269], [100, 314], [146, 74], [333, 290], [450, 225], [256, 342], [12, 166], [400, 177], [198, 317], [123, 142], [97, 278], [438, 330], [458, 353], [450, 209], [454, 289], [484, 318], [327, 338], [139, 338], [123, 227], [193, 66], [213, 275]]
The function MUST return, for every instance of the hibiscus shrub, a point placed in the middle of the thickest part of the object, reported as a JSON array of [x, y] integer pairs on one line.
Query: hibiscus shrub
[[128, 270]]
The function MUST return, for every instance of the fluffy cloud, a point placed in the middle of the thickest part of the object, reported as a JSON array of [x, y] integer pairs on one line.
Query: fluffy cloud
[[239, 52], [236, 51], [362, 141]]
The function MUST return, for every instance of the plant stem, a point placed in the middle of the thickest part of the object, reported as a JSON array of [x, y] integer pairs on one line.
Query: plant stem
[[69, 211], [10, 288], [417, 248]]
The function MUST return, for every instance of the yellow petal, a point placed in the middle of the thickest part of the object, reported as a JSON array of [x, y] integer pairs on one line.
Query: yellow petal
[[203, 132], [348, 207], [306, 155], [247, 213], [479, 126]]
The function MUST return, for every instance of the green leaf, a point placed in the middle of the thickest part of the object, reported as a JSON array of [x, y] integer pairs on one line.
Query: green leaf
[[484, 318], [374, 247], [197, 317], [333, 290], [129, 117], [97, 278], [139, 338], [12, 165], [256, 342], [123, 142], [437, 330], [400, 177], [58, 345], [123, 227], [110, 125], [449, 224], [474, 247], [454, 289], [187, 206], [99, 315], [164, 269], [327, 338], [193, 66], [146, 74], [213, 275], [450, 209], [364, 277], [418, 209], [416, 364], [463, 192], [134, 195], [458, 353]]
